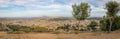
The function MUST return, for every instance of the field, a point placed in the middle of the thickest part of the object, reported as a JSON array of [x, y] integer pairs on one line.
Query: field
[[85, 35]]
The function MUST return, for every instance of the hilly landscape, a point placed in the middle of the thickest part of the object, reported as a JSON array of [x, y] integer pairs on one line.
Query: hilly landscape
[[59, 19], [53, 23]]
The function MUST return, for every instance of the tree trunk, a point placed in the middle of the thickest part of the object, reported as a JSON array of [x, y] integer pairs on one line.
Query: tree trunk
[[78, 24], [110, 27]]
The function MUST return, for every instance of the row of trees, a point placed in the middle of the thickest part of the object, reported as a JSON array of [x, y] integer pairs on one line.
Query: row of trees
[[81, 12]]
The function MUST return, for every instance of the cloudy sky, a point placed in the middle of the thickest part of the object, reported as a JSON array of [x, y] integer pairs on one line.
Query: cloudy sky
[[37, 8]]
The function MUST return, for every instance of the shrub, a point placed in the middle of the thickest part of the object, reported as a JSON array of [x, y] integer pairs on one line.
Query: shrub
[[64, 27], [27, 28], [74, 28], [14, 27], [1, 27], [105, 24], [92, 26], [39, 29]]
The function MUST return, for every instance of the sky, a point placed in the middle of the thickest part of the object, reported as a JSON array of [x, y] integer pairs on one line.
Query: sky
[[38, 8]]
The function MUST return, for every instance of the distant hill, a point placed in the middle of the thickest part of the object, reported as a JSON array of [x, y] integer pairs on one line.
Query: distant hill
[[95, 18], [46, 18]]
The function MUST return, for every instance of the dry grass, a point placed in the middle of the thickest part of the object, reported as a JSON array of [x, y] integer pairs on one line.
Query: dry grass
[[4, 35], [85, 35]]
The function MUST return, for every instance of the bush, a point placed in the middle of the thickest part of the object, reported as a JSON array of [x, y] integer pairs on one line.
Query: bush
[[39, 29], [64, 27], [1, 27], [92, 26], [105, 24], [19, 28], [14, 27], [27, 28]]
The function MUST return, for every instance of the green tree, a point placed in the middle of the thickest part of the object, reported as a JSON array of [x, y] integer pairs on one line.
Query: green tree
[[81, 12], [105, 24], [112, 10]]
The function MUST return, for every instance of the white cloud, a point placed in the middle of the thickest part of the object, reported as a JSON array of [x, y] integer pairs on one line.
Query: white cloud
[[32, 3], [116, 0], [49, 6], [30, 13], [4, 3], [96, 9], [53, 7], [29, 2], [34, 13], [97, 15]]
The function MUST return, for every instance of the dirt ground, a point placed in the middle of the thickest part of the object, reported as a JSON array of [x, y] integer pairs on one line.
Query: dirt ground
[[85, 35]]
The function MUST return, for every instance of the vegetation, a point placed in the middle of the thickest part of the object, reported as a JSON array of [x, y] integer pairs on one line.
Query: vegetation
[[92, 26], [68, 28], [39, 29], [64, 27], [109, 21], [0, 26], [105, 24], [27, 28], [81, 12]]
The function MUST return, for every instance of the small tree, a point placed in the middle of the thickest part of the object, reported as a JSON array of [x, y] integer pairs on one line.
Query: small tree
[[105, 24], [112, 10], [81, 12]]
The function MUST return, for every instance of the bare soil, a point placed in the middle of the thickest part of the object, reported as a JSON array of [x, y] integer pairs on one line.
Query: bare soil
[[83, 35]]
